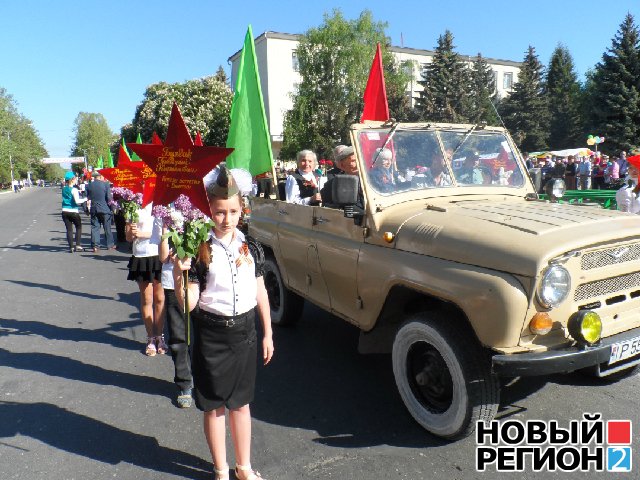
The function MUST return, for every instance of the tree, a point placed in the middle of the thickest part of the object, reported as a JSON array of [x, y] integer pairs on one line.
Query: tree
[[563, 98], [525, 112], [93, 137], [334, 61], [446, 79], [615, 107], [482, 95], [205, 104], [19, 140], [221, 75]]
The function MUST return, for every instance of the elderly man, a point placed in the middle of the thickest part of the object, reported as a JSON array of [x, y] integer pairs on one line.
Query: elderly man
[[99, 195], [302, 185], [346, 164]]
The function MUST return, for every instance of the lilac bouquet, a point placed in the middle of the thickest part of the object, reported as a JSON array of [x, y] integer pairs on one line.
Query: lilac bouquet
[[127, 201], [188, 227]]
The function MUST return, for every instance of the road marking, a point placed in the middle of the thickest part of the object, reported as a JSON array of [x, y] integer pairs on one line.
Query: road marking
[[9, 244], [5, 249]]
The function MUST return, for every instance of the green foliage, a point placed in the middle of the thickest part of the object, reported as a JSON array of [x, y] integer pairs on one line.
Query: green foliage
[[18, 139], [334, 62], [187, 242], [615, 95], [563, 97], [221, 75], [525, 111], [446, 85], [92, 136], [482, 94], [205, 104]]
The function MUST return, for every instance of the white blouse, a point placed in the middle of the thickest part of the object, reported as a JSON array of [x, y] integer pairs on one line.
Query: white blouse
[[292, 190], [148, 247], [231, 288]]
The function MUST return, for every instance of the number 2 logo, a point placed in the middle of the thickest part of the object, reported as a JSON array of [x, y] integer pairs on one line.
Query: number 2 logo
[[619, 459]]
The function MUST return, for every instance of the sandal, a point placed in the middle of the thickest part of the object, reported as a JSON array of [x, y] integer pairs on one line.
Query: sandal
[[161, 345], [252, 475], [221, 474], [151, 351], [184, 401]]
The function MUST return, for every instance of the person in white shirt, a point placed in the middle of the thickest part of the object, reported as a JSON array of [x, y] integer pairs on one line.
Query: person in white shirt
[[627, 196], [70, 213], [145, 269], [303, 185], [226, 279]]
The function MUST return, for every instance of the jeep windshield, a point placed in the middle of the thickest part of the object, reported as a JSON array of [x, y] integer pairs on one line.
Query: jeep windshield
[[433, 158]]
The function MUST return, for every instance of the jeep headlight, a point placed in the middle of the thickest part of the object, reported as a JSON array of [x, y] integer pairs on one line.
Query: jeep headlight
[[555, 189], [554, 286]]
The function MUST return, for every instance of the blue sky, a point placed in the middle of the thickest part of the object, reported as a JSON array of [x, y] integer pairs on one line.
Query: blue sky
[[63, 57]]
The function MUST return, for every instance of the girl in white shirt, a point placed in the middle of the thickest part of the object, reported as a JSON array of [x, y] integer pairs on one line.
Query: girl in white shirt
[[145, 268], [226, 282]]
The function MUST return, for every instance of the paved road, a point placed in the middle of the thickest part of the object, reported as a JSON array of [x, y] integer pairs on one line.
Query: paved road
[[79, 400]]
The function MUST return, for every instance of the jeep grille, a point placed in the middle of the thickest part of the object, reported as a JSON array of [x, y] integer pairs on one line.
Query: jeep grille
[[606, 286], [610, 256]]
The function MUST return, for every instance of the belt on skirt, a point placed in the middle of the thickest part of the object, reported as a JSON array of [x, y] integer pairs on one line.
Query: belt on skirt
[[222, 320]]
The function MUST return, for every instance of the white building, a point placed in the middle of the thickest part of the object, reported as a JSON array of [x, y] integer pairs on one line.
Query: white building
[[279, 77]]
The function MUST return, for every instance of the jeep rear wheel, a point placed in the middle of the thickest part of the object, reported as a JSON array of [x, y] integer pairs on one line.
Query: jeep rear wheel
[[286, 306], [443, 375]]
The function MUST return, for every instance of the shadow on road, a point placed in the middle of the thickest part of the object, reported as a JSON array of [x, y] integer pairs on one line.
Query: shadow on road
[[9, 327], [85, 436], [59, 289], [32, 247], [318, 381], [63, 367]]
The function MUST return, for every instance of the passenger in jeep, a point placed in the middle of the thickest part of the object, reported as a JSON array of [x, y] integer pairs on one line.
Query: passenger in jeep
[[302, 185]]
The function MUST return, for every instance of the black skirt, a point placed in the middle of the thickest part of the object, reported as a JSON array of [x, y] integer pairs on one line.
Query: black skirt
[[145, 269], [224, 361]]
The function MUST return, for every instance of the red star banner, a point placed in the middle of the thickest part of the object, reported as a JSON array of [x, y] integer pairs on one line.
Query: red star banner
[[179, 164], [148, 177], [124, 175]]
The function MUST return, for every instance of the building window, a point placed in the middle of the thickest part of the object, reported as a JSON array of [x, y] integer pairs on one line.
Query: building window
[[507, 81], [294, 61]]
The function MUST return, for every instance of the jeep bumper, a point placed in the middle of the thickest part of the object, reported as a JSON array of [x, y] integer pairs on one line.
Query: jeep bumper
[[566, 359]]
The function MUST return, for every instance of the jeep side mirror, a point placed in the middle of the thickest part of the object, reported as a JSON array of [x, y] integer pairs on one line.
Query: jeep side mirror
[[344, 190]]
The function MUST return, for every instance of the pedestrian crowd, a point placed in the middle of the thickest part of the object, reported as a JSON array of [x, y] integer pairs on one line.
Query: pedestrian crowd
[[596, 171]]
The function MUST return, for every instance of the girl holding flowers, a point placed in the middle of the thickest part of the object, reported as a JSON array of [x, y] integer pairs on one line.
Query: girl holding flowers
[[225, 289], [145, 269]]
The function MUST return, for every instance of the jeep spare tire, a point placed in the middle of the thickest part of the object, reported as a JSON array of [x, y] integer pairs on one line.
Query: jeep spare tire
[[286, 306], [443, 375]]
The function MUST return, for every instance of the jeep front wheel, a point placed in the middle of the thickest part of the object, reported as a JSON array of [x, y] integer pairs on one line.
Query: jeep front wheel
[[443, 375], [286, 306]]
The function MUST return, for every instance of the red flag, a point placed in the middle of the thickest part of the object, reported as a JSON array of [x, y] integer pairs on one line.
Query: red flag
[[155, 139], [198, 141], [375, 95]]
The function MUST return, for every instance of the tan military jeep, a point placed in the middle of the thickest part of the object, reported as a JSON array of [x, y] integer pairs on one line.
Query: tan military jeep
[[457, 268]]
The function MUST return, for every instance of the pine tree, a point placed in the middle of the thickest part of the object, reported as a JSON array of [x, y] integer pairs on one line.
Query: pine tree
[[445, 85], [524, 112], [563, 98], [616, 105], [221, 76], [483, 93]]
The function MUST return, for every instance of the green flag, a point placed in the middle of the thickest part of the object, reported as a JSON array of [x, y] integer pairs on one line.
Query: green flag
[[248, 132], [100, 163], [134, 157], [110, 160]]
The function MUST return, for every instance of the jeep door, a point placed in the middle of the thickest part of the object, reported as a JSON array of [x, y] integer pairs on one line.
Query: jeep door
[[294, 239], [337, 242]]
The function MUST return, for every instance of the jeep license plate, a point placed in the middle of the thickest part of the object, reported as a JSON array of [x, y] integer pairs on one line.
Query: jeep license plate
[[623, 350]]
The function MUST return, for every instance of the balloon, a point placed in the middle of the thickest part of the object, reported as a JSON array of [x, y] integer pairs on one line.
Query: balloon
[[590, 141], [590, 137], [601, 139], [596, 139]]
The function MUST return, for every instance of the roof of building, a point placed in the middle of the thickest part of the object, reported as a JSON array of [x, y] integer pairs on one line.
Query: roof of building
[[396, 49]]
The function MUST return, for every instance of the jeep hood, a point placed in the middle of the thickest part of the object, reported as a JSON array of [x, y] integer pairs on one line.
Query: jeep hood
[[510, 235]]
